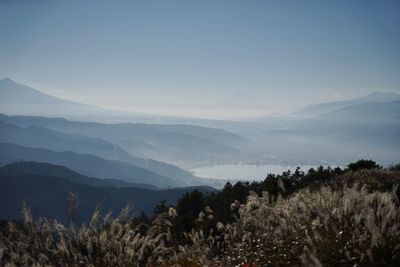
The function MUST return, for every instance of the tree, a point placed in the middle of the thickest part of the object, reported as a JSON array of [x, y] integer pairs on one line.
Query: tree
[[363, 164], [189, 208], [160, 208]]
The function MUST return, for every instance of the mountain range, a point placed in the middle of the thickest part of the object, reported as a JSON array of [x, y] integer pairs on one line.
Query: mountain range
[[94, 166], [89, 165], [170, 143], [354, 130], [17, 98], [48, 149], [321, 108], [182, 144], [40, 137], [18, 168]]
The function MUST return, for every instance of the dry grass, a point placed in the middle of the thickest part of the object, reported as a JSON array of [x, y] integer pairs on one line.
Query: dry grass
[[352, 221]]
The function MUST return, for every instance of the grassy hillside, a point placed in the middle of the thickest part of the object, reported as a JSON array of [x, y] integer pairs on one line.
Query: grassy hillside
[[324, 217]]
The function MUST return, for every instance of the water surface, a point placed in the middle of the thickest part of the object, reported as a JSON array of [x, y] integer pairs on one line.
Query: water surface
[[243, 171]]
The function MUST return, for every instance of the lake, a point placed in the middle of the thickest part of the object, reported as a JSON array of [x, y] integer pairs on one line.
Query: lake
[[243, 171]]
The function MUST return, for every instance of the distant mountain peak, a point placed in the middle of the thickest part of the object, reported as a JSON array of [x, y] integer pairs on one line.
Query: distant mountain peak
[[20, 99], [10, 82], [12, 92], [6, 79], [373, 97], [376, 95]]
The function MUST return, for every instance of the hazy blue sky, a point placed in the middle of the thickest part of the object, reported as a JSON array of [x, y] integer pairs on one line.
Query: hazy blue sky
[[202, 58]]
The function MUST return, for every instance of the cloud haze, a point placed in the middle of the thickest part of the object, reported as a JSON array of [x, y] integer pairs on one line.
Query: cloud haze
[[196, 58]]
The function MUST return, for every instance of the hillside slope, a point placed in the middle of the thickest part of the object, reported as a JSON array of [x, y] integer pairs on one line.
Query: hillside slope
[[46, 169], [48, 197], [89, 165], [41, 137]]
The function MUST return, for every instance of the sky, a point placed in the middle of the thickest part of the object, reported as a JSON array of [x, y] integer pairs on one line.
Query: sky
[[214, 59]]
